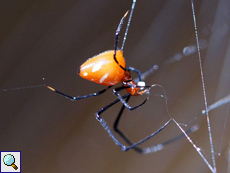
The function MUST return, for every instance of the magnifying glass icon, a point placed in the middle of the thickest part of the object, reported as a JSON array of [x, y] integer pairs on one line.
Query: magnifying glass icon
[[9, 160]]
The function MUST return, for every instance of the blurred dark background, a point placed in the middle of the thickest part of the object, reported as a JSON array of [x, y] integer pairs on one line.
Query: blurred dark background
[[51, 38]]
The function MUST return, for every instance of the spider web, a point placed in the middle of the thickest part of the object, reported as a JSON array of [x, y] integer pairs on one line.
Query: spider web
[[161, 33]]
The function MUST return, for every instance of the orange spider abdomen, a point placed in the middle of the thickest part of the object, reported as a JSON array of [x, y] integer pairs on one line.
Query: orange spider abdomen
[[103, 69]]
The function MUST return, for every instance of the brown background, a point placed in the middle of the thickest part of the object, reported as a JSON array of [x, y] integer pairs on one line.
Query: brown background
[[50, 39]]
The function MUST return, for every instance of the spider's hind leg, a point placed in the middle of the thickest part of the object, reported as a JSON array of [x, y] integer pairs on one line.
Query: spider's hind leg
[[116, 141], [115, 127]]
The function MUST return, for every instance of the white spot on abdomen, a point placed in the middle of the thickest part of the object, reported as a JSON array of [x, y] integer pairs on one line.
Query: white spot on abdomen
[[85, 74], [87, 66], [104, 77], [97, 66]]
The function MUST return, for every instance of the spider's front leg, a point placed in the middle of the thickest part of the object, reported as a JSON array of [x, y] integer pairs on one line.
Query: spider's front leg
[[122, 99], [79, 97]]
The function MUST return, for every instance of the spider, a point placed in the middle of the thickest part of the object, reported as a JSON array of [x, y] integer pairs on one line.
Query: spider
[[108, 68]]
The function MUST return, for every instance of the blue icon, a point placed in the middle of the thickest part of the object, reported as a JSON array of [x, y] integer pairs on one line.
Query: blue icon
[[9, 160]]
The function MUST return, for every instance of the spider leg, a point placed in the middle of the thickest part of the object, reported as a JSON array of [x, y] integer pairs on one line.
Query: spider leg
[[115, 127], [153, 148], [117, 38], [78, 97], [116, 141], [160, 146], [150, 149], [135, 70], [123, 101]]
